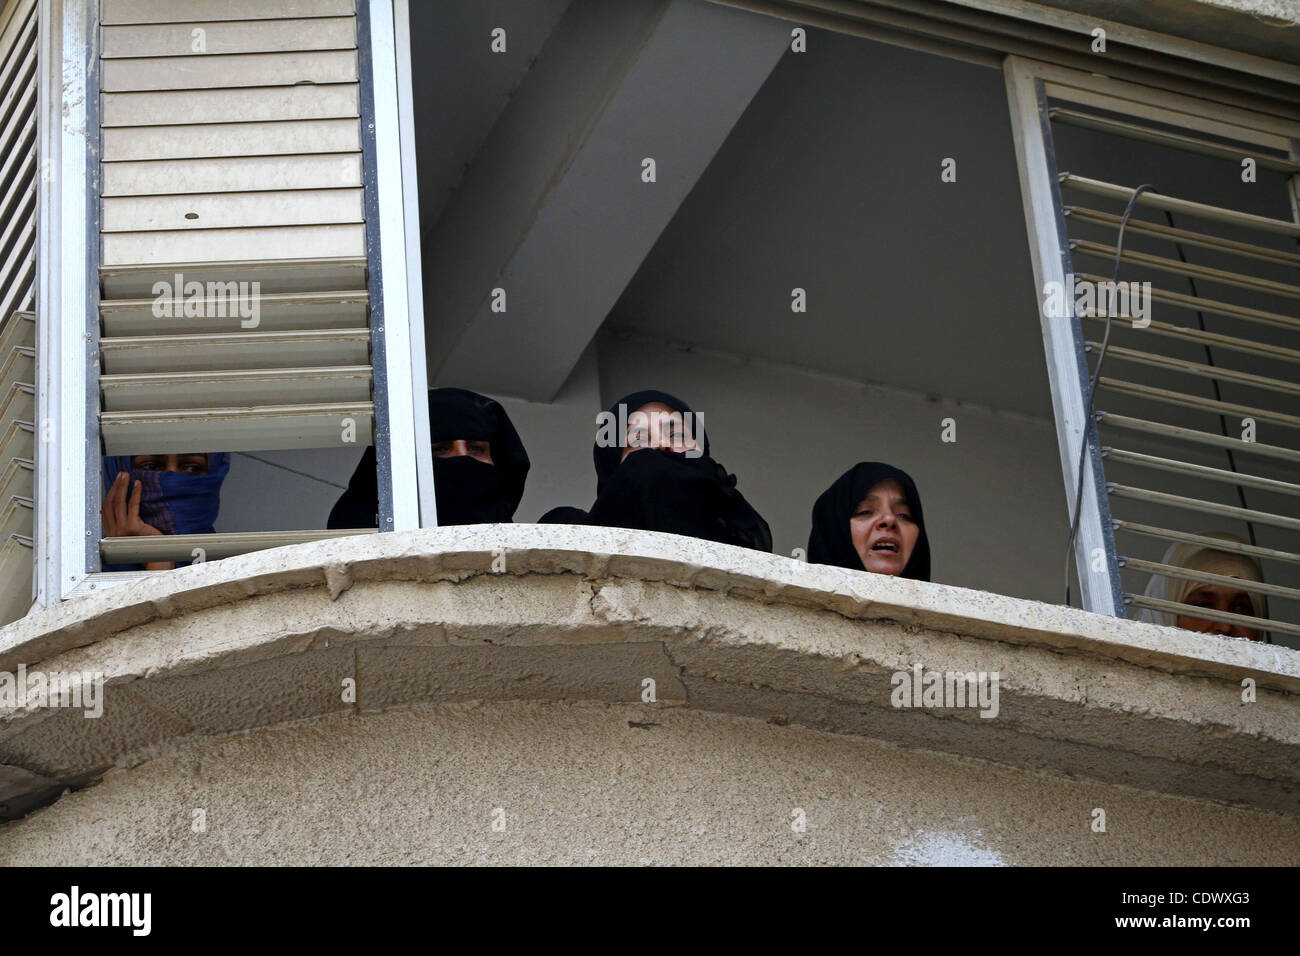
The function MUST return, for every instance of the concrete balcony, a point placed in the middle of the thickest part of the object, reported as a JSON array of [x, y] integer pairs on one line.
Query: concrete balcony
[[482, 695]]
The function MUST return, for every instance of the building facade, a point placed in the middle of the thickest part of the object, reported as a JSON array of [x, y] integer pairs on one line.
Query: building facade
[[846, 231]]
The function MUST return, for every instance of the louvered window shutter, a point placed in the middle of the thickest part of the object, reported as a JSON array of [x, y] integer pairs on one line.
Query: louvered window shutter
[[1197, 404], [18, 52], [231, 168]]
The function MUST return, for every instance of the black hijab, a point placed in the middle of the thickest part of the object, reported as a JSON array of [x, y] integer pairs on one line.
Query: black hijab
[[831, 542], [467, 491], [657, 490]]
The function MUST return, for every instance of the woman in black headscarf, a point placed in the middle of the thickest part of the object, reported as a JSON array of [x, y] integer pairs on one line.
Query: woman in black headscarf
[[871, 520], [654, 473], [479, 465]]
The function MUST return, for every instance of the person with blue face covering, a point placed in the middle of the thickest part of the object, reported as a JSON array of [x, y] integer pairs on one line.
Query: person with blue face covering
[[161, 494]]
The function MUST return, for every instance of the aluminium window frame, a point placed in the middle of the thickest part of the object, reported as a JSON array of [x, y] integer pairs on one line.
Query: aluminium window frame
[[1030, 84], [400, 13], [67, 281], [67, 296]]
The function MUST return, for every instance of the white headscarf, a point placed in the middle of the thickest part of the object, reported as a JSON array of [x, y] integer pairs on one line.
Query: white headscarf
[[1197, 557]]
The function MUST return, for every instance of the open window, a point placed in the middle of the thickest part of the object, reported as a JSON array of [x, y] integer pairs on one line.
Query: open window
[[1197, 414], [825, 262], [245, 268]]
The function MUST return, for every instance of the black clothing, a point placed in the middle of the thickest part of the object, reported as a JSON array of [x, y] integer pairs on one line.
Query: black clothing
[[831, 541], [467, 491], [657, 490]]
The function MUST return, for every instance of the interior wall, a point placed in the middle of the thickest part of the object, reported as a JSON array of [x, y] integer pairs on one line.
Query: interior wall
[[284, 490], [993, 499]]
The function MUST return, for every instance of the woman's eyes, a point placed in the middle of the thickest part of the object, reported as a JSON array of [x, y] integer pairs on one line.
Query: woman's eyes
[[867, 512], [1238, 605]]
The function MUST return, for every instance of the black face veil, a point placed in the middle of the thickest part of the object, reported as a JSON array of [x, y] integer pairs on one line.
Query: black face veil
[[831, 541], [657, 490], [468, 491]]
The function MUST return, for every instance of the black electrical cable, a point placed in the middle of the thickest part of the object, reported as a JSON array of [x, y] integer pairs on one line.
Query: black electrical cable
[[1092, 386]]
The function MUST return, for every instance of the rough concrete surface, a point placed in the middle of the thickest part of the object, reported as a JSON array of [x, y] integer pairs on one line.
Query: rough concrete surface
[[612, 784], [542, 640]]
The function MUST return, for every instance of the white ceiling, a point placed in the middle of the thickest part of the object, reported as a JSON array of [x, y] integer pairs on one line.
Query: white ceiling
[[831, 182]]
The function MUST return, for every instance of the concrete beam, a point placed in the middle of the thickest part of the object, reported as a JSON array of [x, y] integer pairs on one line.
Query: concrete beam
[[586, 614], [554, 210]]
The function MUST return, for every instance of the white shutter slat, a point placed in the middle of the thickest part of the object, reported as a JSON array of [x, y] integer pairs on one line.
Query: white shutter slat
[[15, 577], [20, 260], [213, 140], [235, 350], [231, 174], [15, 211], [277, 312], [268, 428], [299, 207], [253, 104], [14, 135], [19, 330], [20, 289], [19, 68], [180, 547], [19, 366], [224, 245], [173, 11], [228, 70], [14, 14], [18, 440], [16, 517], [237, 36], [287, 276], [238, 388], [23, 147], [18, 478], [19, 401]]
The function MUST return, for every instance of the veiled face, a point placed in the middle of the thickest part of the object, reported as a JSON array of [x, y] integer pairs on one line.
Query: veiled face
[[883, 529], [657, 426], [480, 450], [1219, 598], [188, 464]]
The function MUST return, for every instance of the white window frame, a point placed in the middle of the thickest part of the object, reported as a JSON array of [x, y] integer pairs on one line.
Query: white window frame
[[65, 114], [67, 508], [1029, 85], [401, 19], [400, 314]]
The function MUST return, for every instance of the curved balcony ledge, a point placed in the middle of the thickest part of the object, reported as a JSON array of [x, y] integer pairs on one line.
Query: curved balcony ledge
[[587, 615]]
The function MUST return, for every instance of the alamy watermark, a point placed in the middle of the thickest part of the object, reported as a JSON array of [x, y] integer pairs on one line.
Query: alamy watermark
[[682, 430], [1129, 300], [84, 689], [208, 300], [921, 688], [130, 910]]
